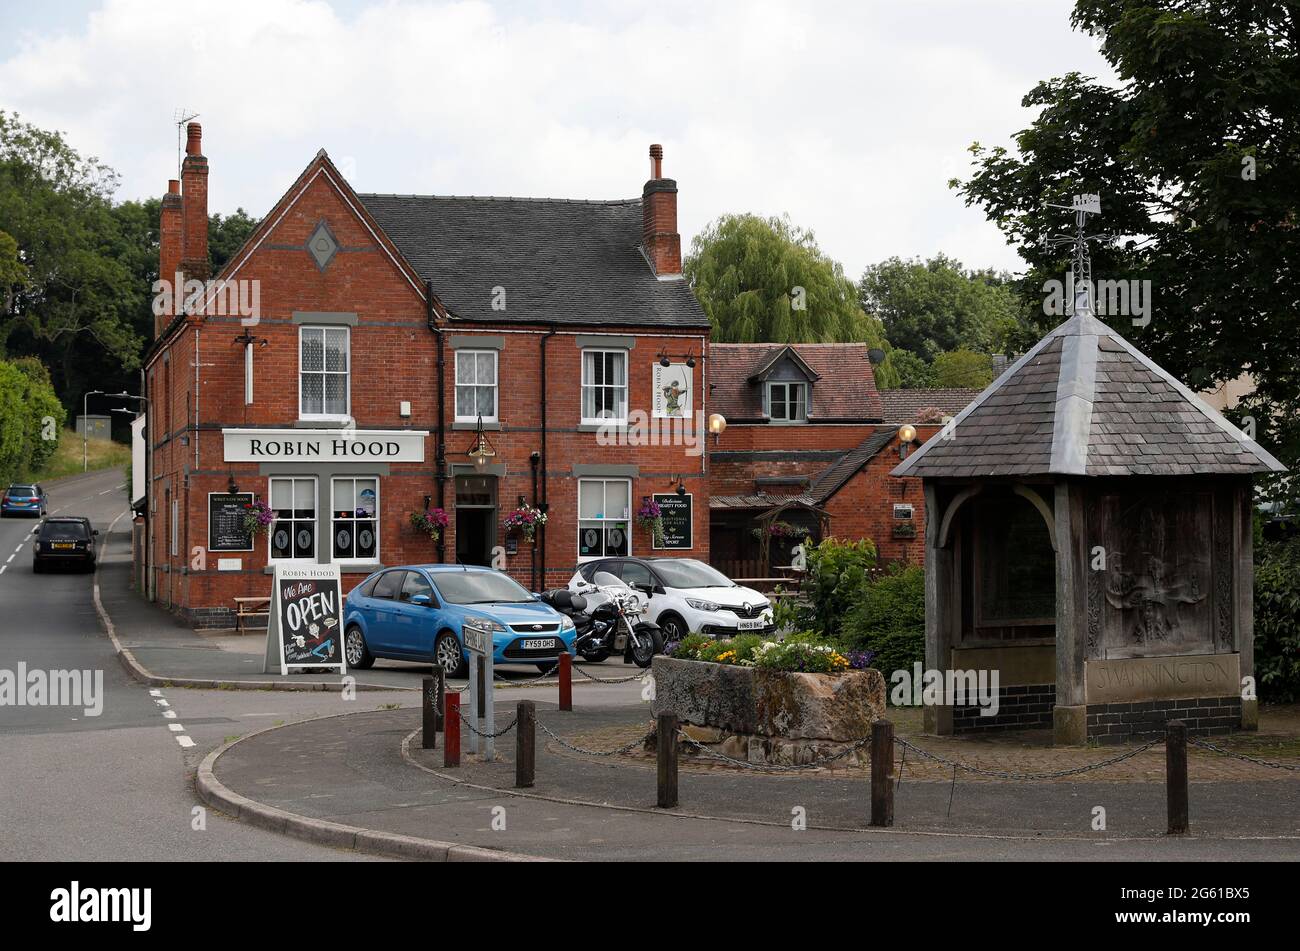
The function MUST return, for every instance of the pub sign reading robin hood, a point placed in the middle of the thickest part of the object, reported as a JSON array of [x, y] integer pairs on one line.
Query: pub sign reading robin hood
[[306, 624]]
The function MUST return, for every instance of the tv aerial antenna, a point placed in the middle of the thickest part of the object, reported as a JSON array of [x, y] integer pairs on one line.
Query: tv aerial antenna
[[182, 116], [1082, 206]]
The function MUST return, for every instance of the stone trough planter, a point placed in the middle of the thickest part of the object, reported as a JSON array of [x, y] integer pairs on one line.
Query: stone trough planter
[[766, 716]]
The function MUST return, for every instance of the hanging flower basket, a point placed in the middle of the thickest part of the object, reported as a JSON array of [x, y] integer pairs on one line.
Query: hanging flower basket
[[430, 521], [258, 517], [779, 529], [525, 521], [650, 517]]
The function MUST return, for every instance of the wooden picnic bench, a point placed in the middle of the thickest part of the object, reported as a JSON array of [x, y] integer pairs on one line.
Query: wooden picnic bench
[[251, 607]]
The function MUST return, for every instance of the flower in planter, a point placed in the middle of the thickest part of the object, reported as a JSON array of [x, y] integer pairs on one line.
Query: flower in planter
[[780, 529], [258, 517], [430, 521], [649, 516], [525, 520]]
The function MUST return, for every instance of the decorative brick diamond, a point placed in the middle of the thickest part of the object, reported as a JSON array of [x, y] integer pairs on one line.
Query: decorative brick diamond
[[322, 246]]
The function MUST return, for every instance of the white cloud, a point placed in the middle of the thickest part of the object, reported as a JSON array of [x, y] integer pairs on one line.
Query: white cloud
[[849, 116]]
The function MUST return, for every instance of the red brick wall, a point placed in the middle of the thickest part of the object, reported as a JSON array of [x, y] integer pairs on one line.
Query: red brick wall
[[737, 477]]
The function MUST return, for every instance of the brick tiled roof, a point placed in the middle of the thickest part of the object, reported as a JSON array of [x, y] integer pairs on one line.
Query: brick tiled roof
[[845, 387], [904, 406], [568, 262], [1085, 401]]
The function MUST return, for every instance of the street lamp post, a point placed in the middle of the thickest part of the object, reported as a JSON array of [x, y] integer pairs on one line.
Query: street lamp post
[[85, 428]]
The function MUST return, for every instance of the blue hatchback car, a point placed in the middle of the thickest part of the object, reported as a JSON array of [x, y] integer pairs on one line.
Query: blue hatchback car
[[416, 613], [24, 499]]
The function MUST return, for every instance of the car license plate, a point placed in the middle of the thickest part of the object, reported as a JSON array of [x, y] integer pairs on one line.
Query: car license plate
[[756, 624], [64, 545], [539, 644]]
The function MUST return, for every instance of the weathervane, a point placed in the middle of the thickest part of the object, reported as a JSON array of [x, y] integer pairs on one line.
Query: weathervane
[[1082, 206]]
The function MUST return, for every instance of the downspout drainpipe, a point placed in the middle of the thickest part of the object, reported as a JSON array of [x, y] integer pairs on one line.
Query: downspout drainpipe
[[440, 450], [533, 460], [545, 460]]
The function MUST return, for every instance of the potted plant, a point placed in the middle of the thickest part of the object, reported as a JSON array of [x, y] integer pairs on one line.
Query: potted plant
[[525, 520], [258, 517], [650, 517], [431, 521]]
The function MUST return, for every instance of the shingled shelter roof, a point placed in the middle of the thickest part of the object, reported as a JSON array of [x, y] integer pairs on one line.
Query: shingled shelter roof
[[1085, 401]]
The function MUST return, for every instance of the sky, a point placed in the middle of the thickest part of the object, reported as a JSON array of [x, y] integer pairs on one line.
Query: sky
[[849, 117]]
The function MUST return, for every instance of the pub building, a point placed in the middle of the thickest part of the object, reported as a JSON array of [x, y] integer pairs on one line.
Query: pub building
[[409, 353]]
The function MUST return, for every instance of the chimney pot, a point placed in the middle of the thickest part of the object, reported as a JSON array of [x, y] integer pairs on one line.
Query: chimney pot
[[656, 161], [194, 139], [173, 186]]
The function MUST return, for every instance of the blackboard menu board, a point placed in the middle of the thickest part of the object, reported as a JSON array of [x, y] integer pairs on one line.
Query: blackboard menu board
[[306, 628], [675, 511], [226, 511]]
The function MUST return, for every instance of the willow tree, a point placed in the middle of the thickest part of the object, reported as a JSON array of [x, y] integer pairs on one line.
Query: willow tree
[[765, 279]]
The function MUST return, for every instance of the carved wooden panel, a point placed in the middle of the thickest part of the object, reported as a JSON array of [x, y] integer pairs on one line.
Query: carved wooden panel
[[1158, 586]]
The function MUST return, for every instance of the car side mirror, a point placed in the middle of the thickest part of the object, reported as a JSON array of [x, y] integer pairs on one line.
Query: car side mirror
[[94, 531], [422, 599]]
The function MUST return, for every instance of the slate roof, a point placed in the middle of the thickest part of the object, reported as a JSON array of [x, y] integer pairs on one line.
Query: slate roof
[[845, 388], [568, 262], [1085, 401], [904, 406]]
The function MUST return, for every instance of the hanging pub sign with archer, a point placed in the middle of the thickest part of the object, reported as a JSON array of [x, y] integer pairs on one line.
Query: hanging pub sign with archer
[[306, 620]]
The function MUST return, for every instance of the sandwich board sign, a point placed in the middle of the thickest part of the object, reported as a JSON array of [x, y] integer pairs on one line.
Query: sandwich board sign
[[305, 629]]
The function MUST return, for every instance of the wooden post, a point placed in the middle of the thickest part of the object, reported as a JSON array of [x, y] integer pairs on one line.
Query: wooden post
[[429, 721], [451, 734], [882, 768], [667, 743], [526, 744], [1176, 775], [566, 681]]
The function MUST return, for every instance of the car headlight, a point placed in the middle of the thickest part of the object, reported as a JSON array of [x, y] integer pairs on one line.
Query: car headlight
[[568, 625], [702, 605]]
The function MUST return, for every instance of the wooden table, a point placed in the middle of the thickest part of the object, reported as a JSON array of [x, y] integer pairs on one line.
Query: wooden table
[[251, 607]]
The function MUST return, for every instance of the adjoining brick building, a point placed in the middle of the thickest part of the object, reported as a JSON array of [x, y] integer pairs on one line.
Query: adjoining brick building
[[395, 334], [808, 449]]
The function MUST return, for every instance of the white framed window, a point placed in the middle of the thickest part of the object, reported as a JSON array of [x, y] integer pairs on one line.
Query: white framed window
[[293, 533], [476, 386], [354, 518], [175, 527], [604, 518], [324, 386], [604, 386], [787, 402]]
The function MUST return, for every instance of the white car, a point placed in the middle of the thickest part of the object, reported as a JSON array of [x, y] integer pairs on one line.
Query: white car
[[686, 596]]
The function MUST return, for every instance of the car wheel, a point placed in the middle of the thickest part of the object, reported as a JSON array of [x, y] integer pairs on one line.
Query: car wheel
[[448, 655], [673, 628], [37, 567], [355, 650]]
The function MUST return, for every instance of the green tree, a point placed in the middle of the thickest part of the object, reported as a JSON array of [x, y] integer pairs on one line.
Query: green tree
[[1195, 155], [963, 368], [931, 306], [764, 279], [226, 235], [913, 372]]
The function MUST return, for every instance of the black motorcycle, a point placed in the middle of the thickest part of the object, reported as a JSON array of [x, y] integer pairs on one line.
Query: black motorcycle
[[606, 614]]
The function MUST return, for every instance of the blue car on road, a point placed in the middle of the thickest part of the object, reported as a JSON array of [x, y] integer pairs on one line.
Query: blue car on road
[[25, 499], [416, 613]]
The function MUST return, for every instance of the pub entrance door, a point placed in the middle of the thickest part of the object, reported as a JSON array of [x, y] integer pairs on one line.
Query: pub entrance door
[[476, 519]]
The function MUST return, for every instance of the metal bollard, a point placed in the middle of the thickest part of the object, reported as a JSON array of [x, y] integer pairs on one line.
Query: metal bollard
[[1176, 775], [667, 743], [566, 681], [525, 744], [882, 768], [451, 734], [429, 721]]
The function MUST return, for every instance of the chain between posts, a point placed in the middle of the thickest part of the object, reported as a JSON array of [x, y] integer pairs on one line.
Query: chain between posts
[[1002, 774], [578, 749], [1207, 745], [773, 767], [501, 732], [616, 680]]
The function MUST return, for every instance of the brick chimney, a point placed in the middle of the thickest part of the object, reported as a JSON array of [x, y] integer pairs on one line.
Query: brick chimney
[[194, 208], [169, 248], [662, 243]]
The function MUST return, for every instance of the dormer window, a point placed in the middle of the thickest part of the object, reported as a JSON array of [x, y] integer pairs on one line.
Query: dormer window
[[787, 402]]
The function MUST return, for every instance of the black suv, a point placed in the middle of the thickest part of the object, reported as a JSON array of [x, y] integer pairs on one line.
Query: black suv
[[65, 540]]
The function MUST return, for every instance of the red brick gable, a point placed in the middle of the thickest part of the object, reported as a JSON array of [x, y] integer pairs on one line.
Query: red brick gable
[[845, 388]]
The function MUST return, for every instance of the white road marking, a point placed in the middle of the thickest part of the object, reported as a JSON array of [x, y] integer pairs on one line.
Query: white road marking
[[162, 703], [2, 569], [176, 727], [11, 558], [184, 741], [155, 693], [169, 714]]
